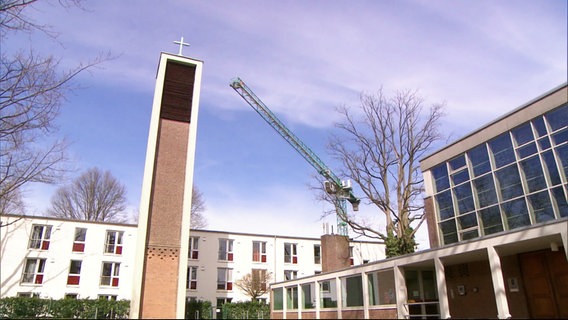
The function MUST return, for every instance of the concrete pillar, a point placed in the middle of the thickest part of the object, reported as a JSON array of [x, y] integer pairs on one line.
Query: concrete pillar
[[160, 268], [339, 295], [401, 295], [318, 299], [564, 236], [334, 252], [498, 284], [442, 289], [365, 280], [300, 299]]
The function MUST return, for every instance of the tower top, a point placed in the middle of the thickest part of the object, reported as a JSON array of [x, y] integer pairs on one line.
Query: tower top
[[181, 45]]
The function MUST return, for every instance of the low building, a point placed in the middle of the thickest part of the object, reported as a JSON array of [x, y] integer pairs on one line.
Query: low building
[[57, 258], [497, 214]]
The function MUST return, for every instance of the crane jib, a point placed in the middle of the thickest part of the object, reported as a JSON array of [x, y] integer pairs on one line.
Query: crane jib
[[343, 192]]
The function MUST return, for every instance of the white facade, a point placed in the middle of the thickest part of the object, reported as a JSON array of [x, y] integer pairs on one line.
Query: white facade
[[57, 249], [17, 242]]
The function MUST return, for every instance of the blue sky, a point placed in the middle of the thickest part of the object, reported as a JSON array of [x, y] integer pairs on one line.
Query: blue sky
[[303, 59]]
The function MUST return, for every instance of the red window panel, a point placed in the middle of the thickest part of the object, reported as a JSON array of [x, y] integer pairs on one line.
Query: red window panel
[[73, 280], [263, 258], [229, 286], [193, 285], [39, 279], [195, 255], [78, 247], [118, 249], [255, 256], [230, 256], [294, 259], [351, 261], [45, 245], [115, 282]]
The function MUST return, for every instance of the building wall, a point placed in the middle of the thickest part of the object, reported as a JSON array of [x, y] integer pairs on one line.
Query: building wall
[[15, 234], [14, 240], [509, 174]]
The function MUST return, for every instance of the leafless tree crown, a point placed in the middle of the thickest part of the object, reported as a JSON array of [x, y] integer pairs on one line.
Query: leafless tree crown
[[379, 145], [95, 196], [32, 90], [255, 284], [198, 220]]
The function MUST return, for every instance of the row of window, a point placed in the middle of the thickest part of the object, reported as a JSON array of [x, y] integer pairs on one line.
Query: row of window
[[381, 291], [225, 277], [517, 179], [225, 252], [40, 238], [34, 270], [67, 295]]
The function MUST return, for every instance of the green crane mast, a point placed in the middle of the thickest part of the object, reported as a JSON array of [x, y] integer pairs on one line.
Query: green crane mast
[[341, 191]]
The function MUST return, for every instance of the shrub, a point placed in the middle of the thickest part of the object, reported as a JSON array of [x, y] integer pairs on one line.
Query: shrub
[[198, 309], [23, 307], [246, 310]]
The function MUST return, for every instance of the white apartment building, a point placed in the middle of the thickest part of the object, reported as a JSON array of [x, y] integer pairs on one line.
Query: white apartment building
[[57, 258]]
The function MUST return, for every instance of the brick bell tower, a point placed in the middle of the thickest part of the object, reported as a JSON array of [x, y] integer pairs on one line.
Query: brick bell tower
[[160, 268]]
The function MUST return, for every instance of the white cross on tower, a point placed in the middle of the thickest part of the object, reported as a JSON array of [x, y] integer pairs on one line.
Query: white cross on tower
[[181, 44]]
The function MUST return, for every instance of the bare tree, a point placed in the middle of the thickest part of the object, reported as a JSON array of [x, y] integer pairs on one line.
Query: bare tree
[[198, 221], [93, 196], [255, 284], [32, 90], [380, 145]]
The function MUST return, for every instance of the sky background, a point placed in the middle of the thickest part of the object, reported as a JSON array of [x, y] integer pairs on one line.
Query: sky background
[[303, 59]]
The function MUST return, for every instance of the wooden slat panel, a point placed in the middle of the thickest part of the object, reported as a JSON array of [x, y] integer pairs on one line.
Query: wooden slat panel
[[177, 95]]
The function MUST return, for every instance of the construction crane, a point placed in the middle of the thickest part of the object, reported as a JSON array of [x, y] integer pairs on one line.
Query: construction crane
[[340, 190]]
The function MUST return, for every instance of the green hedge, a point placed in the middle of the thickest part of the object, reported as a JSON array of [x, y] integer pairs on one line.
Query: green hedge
[[246, 310], [198, 309], [19, 308]]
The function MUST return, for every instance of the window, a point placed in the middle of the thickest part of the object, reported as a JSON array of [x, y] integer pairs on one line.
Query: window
[[258, 251], [479, 159], [113, 243], [193, 248], [502, 149], [381, 288], [225, 250], [534, 177], [328, 294], [491, 219], [509, 182], [28, 294], [259, 279], [317, 254], [351, 260], [440, 174], [485, 188], [110, 273], [308, 296], [33, 271], [464, 198], [74, 272], [353, 291], [292, 298], [220, 303], [445, 205], [224, 279], [278, 296], [290, 274], [73, 296], [516, 213], [541, 206], [191, 278], [110, 297], [79, 242], [290, 253], [39, 238]]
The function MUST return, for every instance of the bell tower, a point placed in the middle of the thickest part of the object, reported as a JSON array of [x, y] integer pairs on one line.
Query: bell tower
[[160, 268]]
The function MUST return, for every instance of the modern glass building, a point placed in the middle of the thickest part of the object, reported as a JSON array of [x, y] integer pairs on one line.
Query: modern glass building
[[497, 216], [509, 174]]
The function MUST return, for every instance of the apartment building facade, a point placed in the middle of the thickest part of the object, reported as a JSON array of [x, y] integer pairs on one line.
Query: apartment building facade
[[56, 258]]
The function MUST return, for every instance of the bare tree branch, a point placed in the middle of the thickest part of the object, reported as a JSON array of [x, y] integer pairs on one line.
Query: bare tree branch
[[198, 220], [93, 196], [379, 145], [255, 284]]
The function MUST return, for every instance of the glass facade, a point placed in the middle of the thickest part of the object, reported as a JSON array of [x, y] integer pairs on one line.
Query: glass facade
[[516, 179]]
